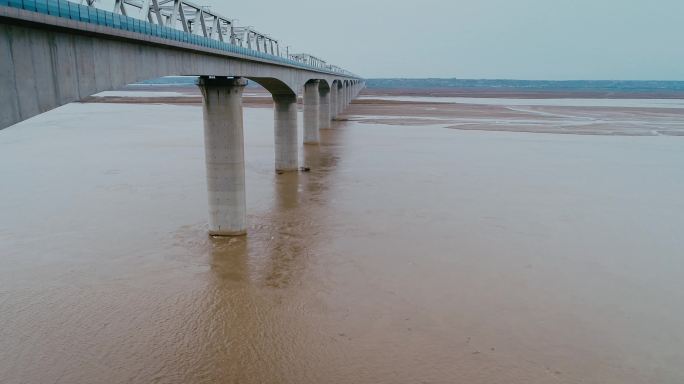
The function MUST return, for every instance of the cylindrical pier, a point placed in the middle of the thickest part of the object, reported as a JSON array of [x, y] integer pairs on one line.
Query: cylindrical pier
[[340, 100], [333, 101], [324, 108], [285, 131], [311, 112], [225, 155]]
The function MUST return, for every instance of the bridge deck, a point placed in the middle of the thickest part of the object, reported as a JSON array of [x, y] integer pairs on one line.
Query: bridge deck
[[68, 10]]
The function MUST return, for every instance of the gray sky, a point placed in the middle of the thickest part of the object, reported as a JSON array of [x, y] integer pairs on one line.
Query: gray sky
[[522, 39]]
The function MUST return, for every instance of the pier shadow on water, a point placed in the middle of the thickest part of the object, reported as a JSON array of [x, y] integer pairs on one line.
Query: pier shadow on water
[[254, 327]]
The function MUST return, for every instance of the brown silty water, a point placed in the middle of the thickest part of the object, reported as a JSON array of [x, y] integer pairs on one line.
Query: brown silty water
[[411, 253]]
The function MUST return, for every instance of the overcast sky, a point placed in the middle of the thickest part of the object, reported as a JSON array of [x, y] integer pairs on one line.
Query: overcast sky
[[518, 39]]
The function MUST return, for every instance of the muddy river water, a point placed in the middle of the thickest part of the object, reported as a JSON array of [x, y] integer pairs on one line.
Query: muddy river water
[[411, 253]]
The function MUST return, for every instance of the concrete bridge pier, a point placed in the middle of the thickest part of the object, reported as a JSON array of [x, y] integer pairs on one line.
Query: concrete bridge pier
[[311, 112], [338, 100], [346, 95], [342, 98], [225, 155], [333, 101], [324, 106], [285, 132]]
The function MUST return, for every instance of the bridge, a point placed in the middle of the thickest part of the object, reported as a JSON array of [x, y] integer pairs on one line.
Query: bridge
[[53, 52]]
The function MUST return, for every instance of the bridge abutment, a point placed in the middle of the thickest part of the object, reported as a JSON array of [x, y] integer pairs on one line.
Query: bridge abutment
[[225, 155], [311, 112], [285, 132]]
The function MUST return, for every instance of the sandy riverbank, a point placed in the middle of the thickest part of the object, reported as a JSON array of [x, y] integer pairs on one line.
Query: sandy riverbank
[[491, 113]]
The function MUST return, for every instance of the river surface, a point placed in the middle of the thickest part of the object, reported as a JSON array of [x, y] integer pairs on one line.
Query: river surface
[[409, 254], [508, 101]]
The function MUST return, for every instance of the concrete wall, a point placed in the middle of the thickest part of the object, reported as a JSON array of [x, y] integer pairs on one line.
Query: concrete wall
[[48, 62]]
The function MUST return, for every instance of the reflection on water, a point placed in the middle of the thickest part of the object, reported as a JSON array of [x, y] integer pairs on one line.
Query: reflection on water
[[406, 254], [255, 306]]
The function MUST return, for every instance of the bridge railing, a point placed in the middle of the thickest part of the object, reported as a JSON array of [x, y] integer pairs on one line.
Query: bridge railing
[[88, 14]]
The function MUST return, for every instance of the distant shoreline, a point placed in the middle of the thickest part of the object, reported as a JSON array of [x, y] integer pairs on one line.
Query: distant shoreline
[[527, 93], [255, 92], [524, 89], [397, 107]]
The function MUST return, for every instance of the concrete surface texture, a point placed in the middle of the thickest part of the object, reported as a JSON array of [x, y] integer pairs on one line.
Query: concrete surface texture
[[311, 112], [47, 61]]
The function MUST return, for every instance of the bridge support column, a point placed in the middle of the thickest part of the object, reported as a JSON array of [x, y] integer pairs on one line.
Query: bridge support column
[[340, 100], [311, 111], [324, 108], [333, 101], [346, 96], [285, 130], [345, 90], [225, 154]]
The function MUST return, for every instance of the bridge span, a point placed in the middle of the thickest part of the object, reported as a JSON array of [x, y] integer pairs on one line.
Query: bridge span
[[54, 52]]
